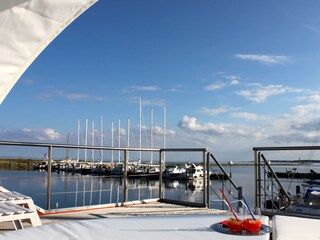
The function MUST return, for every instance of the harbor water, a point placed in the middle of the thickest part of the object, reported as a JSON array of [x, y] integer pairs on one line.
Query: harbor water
[[75, 190]]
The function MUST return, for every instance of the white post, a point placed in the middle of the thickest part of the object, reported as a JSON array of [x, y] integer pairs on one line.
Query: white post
[[140, 126], [101, 139], [128, 137], [119, 141], [112, 143], [92, 152], [164, 132], [151, 135], [78, 155]]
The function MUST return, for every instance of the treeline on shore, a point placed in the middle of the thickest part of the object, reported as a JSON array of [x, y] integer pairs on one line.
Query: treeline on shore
[[18, 163]]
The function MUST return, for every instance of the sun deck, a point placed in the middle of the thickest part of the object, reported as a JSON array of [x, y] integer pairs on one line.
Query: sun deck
[[143, 209], [132, 222]]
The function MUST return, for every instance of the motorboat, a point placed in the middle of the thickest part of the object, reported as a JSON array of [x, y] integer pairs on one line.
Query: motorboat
[[194, 172], [311, 205], [175, 172]]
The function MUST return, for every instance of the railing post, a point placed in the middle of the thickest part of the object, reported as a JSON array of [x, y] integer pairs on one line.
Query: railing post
[[240, 196], [125, 176], [208, 181], [160, 173], [256, 190], [49, 178], [205, 176], [258, 167]]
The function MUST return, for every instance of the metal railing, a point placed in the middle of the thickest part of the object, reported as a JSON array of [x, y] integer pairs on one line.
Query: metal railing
[[162, 152], [271, 194], [225, 176], [50, 147], [277, 191]]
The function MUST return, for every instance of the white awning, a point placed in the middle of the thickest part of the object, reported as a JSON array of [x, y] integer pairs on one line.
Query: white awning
[[26, 29]]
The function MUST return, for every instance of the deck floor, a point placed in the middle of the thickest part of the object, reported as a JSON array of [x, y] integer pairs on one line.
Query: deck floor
[[154, 208]]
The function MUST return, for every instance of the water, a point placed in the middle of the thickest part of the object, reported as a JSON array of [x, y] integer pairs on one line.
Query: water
[[74, 190]]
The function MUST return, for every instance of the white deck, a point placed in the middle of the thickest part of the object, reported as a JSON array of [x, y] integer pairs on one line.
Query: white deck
[[285, 228], [182, 227]]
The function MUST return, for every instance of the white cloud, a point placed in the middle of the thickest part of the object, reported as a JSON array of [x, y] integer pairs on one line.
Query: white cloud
[[247, 116], [31, 135], [234, 79], [315, 98], [215, 86], [225, 132], [50, 133], [141, 88], [260, 93], [228, 80], [190, 123], [149, 102], [265, 59], [70, 96], [303, 110], [212, 111], [147, 88], [157, 130], [76, 96], [99, 98], [234, 82], [154, 102], [174, 90]]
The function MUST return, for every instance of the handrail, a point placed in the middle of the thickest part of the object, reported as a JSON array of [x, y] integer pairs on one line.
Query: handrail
[[222, 169], [274, 175]]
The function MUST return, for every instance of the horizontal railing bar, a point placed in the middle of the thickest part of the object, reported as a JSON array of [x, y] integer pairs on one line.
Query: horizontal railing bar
[[55, 145], [288, 148], [183, 150]]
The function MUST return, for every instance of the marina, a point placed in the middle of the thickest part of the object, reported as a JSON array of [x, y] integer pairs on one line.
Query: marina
[[74, 194], [135, 170], [206, 175], [59, 193]]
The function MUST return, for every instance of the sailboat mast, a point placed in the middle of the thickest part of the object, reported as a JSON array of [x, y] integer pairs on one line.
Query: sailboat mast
[[151, 135], [78, 154], [101, 138], [86, 142], [112, 143], [128, 137], [92, 152], [140, 126], [164, 132], [119, 141]]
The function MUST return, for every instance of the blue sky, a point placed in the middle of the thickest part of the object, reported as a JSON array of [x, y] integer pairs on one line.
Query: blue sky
[[232, 74]]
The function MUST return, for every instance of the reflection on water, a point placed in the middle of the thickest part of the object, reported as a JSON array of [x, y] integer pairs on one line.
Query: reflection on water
[[74, 190]]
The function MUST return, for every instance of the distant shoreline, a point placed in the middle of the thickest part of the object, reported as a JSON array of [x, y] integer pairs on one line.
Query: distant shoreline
[[17, 163], [28, 163]]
